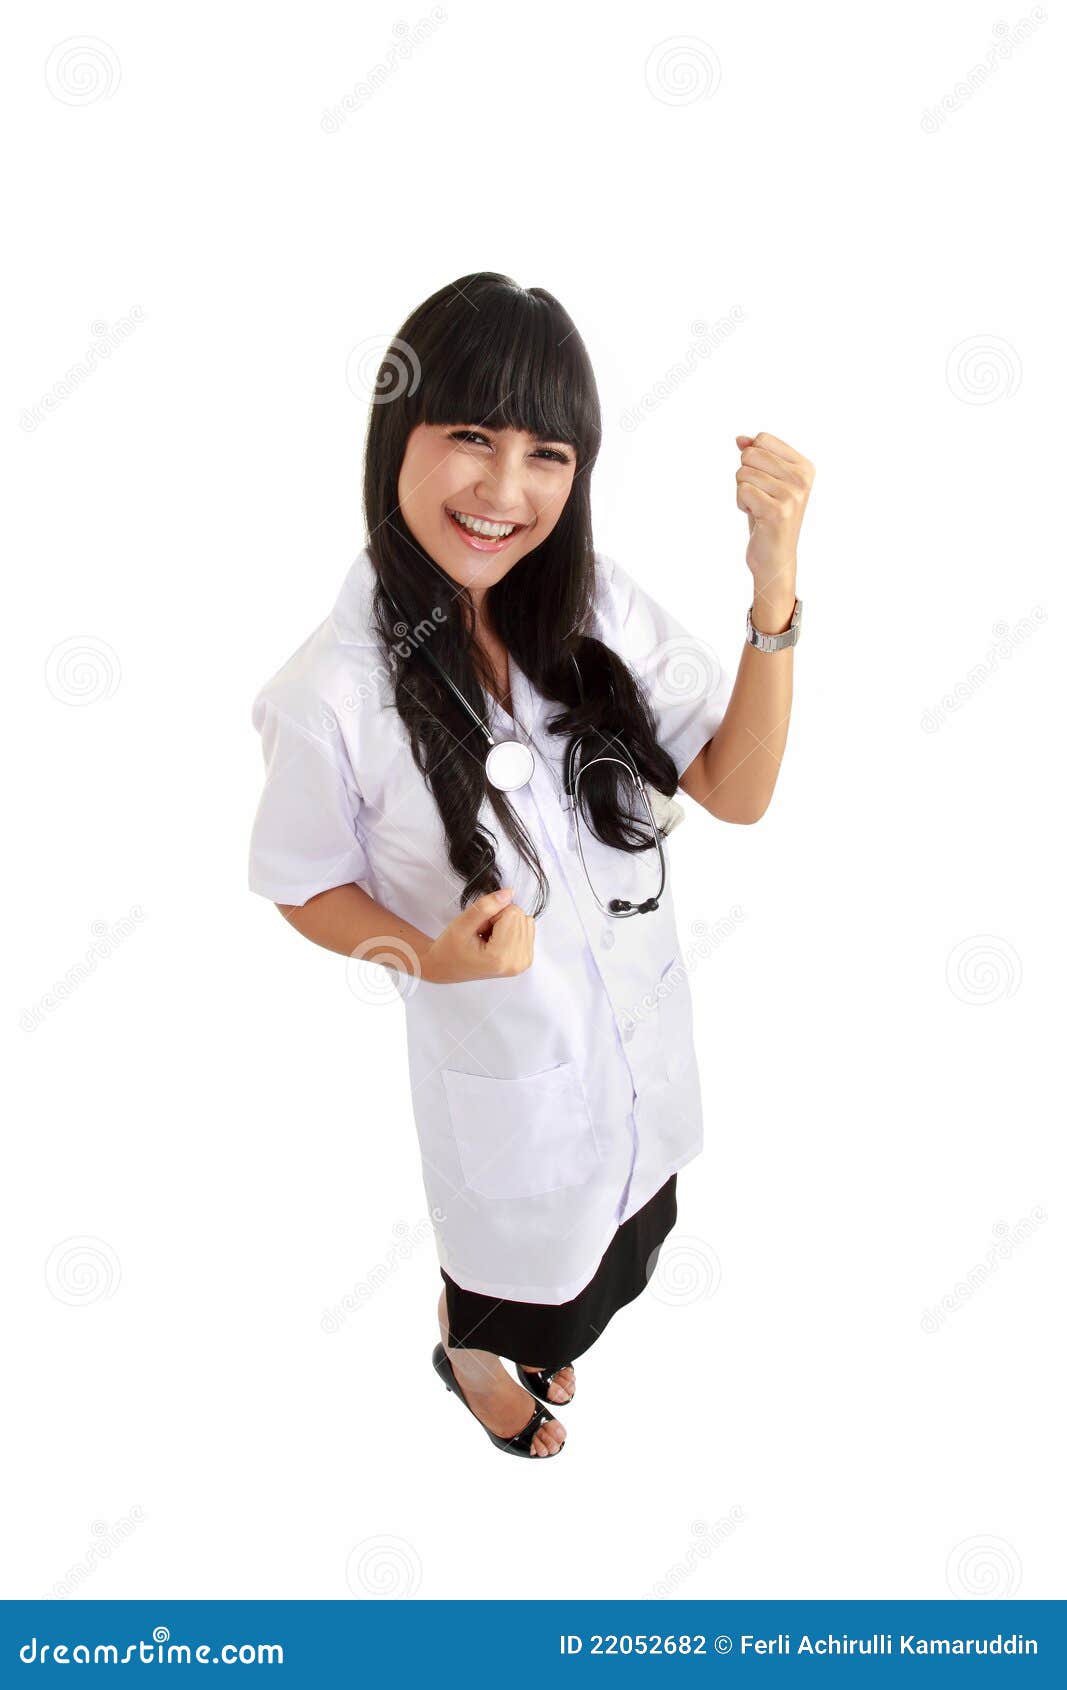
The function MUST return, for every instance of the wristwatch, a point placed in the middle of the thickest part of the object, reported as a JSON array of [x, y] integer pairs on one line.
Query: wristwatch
[[773, 642]]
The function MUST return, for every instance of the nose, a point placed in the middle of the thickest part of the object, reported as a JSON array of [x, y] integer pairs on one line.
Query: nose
[[502, 487]]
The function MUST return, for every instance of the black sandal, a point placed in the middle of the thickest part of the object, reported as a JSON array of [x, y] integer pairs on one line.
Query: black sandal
[[517, 1445], [538, 1382]]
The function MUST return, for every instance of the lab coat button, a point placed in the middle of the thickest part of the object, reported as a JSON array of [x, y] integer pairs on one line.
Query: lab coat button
[[607, 939], [627, 1032]]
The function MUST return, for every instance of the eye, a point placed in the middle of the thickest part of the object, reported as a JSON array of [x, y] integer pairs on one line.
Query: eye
[[468, 434], [552, 453]]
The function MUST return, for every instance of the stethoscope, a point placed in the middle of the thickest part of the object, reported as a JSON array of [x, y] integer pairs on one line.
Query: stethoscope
[[509, 766]]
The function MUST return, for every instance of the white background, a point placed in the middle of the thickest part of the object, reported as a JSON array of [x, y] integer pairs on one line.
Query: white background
[[212, 1144]]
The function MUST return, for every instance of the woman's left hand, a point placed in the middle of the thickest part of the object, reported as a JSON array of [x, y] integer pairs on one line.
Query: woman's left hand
[[773, 485]]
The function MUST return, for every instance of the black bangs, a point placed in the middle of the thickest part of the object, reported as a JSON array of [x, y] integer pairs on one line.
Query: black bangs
[[484, 353], [495, 354]]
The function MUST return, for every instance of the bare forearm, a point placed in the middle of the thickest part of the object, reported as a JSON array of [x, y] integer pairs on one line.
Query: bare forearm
[[490, 939], [346, 919], [735, 774]]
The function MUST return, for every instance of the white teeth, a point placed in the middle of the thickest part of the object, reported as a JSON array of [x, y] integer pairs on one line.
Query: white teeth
[[489, 530]]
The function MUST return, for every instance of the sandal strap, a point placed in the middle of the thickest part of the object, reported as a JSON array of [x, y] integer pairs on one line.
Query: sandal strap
[[523, 1439], [545, 1376]]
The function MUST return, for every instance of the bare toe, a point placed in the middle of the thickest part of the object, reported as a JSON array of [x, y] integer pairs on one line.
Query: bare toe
[[551, 1435], [561, 1385], [564, 1380]]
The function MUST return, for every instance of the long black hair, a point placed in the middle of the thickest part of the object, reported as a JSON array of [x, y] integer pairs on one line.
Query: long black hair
[[484, 349]]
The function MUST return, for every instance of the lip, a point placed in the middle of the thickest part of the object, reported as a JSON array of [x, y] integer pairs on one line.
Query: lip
[[478, 542]]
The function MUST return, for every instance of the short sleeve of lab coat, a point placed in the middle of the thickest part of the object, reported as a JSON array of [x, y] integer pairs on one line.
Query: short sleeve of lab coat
[[305, 837], [682, 675]]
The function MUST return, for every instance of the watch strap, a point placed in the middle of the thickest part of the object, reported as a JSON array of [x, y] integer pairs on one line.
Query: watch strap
[[774, 642]]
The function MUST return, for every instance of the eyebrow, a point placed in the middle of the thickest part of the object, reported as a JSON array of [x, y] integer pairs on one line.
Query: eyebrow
[[542, 439]]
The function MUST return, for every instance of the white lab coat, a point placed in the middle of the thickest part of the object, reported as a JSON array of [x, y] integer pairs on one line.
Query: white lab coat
[[552, 1105]]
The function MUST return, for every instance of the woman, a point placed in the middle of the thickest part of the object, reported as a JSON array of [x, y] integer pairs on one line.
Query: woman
[[469, 772]]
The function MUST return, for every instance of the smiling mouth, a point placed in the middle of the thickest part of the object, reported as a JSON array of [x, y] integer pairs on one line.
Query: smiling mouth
[[483, 527]]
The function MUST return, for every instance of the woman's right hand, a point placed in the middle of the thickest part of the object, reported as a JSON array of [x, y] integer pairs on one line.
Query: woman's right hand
[[492, 938]]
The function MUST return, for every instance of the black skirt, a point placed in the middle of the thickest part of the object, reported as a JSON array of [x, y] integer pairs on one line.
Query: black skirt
[[550, 1334]]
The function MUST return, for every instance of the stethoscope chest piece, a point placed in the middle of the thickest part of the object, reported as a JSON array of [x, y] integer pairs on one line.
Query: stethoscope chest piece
[[509, 765]]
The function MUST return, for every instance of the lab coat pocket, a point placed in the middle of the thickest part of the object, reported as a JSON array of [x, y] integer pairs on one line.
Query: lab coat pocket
[[675, 1019], [524, 1136]]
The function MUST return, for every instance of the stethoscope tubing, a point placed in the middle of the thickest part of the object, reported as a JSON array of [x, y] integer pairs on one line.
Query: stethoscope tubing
[[617, 907]]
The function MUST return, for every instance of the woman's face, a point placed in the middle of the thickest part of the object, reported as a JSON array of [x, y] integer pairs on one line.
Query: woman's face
[[478, 499]]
